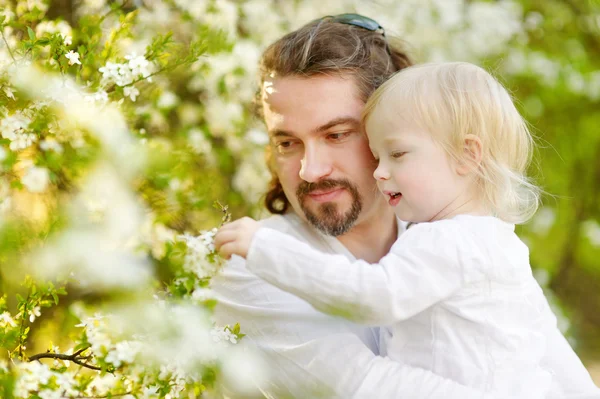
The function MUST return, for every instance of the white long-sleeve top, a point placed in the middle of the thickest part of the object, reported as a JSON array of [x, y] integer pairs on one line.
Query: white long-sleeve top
[[457, 297], [312, 354]]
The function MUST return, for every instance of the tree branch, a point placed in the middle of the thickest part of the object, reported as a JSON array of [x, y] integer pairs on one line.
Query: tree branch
[[75, 358], [114, 395]]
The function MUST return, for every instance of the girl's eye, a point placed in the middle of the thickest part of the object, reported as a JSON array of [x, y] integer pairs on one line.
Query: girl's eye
[[397, 154]]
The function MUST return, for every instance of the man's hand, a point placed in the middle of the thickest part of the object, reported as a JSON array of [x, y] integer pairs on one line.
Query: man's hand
[[234, 238]]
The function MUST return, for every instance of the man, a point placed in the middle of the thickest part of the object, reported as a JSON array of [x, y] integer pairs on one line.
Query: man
[[314, 84]]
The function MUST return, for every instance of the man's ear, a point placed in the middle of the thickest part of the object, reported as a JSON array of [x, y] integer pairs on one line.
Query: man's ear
[[472, 154]]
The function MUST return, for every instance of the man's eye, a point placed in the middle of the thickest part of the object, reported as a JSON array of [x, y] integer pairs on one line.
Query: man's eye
[[397, 154], [338, 136], [285, 146]]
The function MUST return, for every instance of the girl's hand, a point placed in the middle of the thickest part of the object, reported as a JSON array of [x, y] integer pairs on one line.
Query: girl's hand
[[234, 238]]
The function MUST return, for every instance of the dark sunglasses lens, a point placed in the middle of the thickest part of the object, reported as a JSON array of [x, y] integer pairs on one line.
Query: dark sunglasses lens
[[357, 20]]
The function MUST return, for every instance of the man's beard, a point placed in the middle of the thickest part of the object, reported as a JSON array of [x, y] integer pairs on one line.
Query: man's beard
[[327, 218]]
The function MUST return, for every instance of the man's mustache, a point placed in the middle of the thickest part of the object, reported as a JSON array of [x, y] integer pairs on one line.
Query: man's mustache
[[306, 188]]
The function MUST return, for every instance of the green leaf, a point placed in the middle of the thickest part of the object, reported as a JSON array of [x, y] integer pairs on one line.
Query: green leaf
[[55, 298], [81, 346], [31, 34]]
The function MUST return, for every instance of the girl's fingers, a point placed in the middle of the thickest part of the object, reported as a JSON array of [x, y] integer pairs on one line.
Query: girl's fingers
[[222, 237], [227, 250]]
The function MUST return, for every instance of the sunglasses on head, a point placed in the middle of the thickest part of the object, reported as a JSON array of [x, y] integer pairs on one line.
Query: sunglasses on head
[[357, 20], [360, 21]]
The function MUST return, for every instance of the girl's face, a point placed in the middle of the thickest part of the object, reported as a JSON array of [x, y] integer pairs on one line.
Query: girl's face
[[415, 174]]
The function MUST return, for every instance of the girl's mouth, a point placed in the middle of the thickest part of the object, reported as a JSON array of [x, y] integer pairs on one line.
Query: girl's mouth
[[394, 198]]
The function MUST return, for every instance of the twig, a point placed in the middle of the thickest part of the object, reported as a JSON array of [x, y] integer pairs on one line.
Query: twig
[[22, 326], [75, 358], [114, 395], [7, 46], [226, 215]]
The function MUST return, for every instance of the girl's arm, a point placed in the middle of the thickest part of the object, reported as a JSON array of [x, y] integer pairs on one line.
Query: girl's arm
[[423, 267]]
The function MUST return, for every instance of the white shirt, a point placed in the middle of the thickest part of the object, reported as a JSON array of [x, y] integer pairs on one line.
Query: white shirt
[[314, 353]]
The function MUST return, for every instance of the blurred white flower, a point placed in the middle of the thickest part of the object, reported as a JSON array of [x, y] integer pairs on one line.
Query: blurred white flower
[[196, 257], [139, 65], [50, 143], [123, 352], [7, 320], [223, 336], [62, 27], [10, 92], [252, 176], [3, 154], [199, 142], [202, 294], [36, 179], [35, 312], [73, 57], [14, 128], [591, 229], [257, 136], [131, 91], [223, 116], [167, 100], [533, 20], [243, 371], [29, 377], [124, 74], [543, 220]]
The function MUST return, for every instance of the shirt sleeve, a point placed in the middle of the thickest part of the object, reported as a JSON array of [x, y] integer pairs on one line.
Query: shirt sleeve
[[423, 267], [335, 365]]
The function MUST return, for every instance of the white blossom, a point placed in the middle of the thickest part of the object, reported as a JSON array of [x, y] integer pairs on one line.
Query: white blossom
[[73, 57], [196, 257], [131, 91], [123, 352], [10, 92], [51, 27], [36, 179], [50, 143], [167, 100], [591, 229], [543, 220], [7, 320], [33, 313], [199, 142]]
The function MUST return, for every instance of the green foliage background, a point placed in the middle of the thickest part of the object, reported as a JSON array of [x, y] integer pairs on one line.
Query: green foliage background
[[551, 65]]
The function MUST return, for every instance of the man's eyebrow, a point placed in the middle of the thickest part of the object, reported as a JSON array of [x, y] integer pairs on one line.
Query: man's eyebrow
[[280, 133], [344, 120]]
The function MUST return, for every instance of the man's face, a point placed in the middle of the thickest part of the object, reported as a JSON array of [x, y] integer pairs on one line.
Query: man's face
[[320, 153]]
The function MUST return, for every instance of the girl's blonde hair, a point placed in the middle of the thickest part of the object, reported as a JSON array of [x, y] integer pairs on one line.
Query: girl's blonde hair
[[454, 99]]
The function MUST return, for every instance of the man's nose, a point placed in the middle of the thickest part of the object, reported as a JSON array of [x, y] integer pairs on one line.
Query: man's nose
[[315, 165], [381, 173]]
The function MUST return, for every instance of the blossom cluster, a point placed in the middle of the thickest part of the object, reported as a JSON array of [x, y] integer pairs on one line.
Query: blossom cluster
[[126, 74]]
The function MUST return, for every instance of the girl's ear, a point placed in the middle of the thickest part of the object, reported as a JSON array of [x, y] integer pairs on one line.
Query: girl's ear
[[472, 155]]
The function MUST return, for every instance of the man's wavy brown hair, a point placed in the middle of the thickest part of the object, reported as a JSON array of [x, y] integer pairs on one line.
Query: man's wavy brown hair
[[326, 47]]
